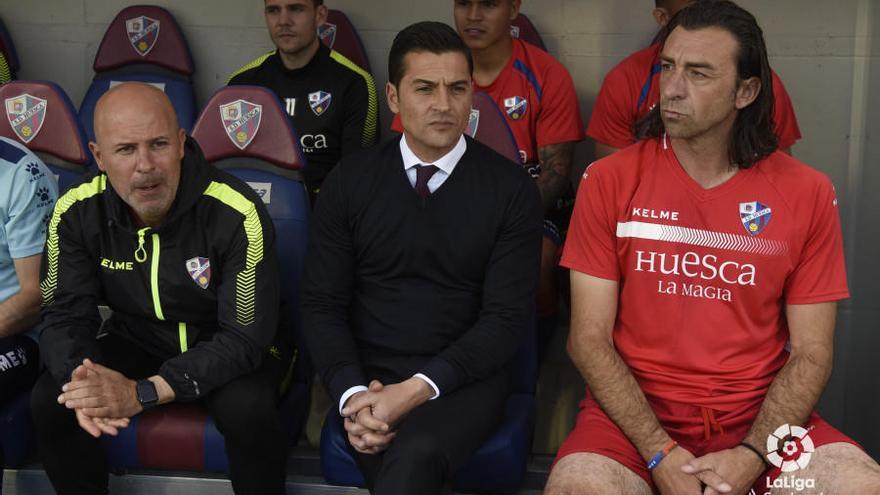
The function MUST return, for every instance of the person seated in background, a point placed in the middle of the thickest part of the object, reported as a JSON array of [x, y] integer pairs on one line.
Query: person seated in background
[[27, 194], [630, 90], [420, 276], [184, 255], [696, 256], [331, 101]]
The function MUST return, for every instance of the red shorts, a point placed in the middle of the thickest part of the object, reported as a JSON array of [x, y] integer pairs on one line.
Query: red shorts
[[699, 430]]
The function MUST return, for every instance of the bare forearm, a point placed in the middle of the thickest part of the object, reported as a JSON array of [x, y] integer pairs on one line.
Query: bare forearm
[[19, 312], [617, 391], [555, 160], [792, 395]]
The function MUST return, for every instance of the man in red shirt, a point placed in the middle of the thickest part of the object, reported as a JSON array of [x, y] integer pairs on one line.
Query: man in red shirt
[[696, 254], [537, 96], [631, 90]]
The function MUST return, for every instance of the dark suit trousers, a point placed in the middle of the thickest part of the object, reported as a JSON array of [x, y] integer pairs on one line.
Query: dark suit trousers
[[244, 410], [436, 438]]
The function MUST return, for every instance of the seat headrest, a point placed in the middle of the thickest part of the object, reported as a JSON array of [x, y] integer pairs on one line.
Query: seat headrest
[[339, 34], [248, 121], [488, 126], [39, 115], [522, 28], [8, 49], [144, 34]]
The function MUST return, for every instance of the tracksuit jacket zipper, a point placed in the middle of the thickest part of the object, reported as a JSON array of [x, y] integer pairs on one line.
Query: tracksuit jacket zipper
[[140, 255]]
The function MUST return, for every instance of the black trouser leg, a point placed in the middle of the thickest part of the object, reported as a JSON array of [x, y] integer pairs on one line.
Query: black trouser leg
[[436, 439], [246, 413], [73, 459], [19, 365]]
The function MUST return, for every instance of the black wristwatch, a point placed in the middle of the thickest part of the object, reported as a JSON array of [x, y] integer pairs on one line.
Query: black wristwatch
[[146, 394]]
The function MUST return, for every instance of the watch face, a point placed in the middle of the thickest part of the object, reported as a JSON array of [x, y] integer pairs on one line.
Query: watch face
[[146, 393]]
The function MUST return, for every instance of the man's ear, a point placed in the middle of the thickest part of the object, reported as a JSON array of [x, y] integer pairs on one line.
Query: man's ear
[[321, 14], [392, 97], [661, 15], [181, 136], [514, 11], [747, 92], [96, 152]]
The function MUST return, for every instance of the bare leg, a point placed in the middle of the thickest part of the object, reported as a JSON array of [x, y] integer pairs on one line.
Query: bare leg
[[836, 468], [593, 474]]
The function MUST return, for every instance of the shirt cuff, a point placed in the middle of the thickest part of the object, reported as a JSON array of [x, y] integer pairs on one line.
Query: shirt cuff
[[429, 382], [348, 393]]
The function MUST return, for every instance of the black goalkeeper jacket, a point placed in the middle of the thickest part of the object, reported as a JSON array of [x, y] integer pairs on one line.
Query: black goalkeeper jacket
[[199, 292]]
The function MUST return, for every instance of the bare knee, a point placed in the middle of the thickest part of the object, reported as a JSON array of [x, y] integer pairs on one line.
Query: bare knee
[[834, 468], [593, 474]]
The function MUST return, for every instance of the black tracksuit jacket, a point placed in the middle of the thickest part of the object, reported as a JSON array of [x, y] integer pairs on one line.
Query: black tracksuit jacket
[[208, 325]]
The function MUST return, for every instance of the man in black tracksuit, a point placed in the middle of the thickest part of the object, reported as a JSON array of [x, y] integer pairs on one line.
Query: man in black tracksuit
[[184, 255], [331, 102]]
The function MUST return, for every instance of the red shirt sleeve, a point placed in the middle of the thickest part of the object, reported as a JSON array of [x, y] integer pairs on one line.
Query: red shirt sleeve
[[784, 119], [560, 119], [591, 244], [820, 274], [614, 112]]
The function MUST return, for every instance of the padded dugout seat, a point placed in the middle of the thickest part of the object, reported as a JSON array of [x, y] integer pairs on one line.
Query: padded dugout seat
[[339, 34], [262, 149], [143, 43], [40, 116], [522, 28]]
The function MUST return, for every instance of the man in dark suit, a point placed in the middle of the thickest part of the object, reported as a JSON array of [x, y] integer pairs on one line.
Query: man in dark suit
[[421, 276]]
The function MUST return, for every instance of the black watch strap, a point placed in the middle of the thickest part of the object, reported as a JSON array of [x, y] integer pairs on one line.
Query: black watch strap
[[147, 394]]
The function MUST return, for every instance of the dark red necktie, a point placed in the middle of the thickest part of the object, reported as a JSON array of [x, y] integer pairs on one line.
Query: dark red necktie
[[423, 174]]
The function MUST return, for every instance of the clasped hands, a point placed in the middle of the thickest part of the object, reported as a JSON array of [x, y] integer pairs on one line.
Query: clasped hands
[[730, 471], [371, 417], [102, 399]]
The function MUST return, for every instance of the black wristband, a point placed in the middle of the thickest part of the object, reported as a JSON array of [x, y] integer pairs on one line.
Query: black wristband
[[757, 453]]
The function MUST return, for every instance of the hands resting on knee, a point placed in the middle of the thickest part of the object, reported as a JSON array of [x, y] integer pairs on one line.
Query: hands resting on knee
[[104, 399], [371, 417]]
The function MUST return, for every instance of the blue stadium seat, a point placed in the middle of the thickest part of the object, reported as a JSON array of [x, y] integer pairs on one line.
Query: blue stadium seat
[[7, 49], [39, 115], [143, 43], [522, 28], [339, 34], [244, 130], [497, 467]]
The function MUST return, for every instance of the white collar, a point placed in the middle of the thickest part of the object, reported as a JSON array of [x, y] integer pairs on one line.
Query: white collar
[[446, 163]]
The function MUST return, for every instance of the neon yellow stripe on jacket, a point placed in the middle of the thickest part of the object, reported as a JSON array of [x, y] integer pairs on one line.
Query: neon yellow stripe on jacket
[[371, 122], [245, 280], [79, 193], [250, 65]]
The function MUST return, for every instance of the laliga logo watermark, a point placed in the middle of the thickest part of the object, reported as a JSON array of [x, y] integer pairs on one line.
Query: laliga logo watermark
[[789, 448]]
